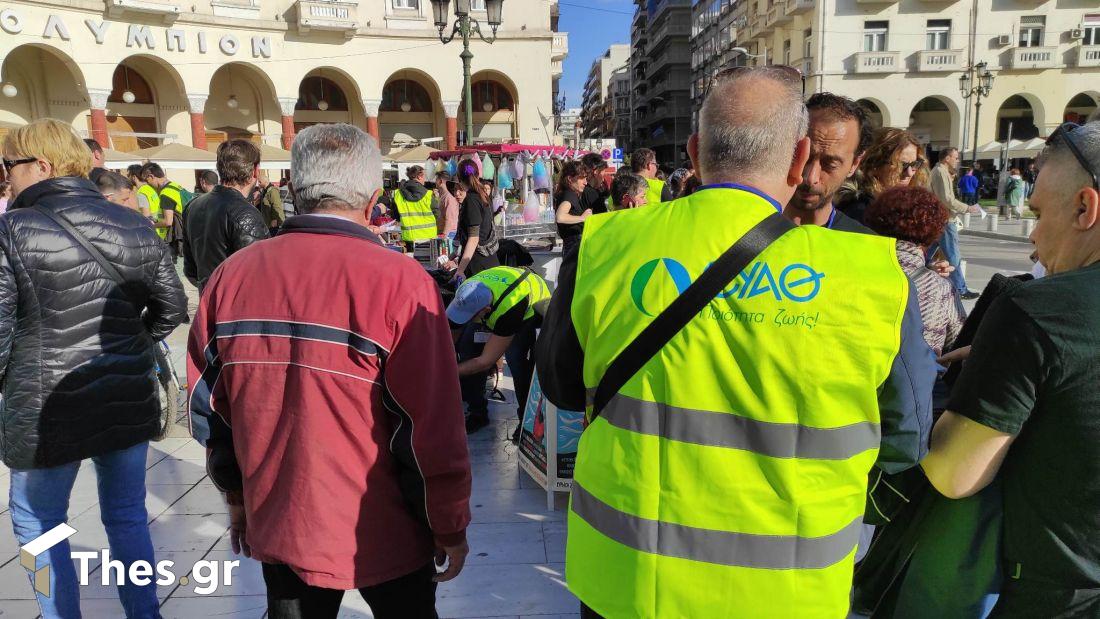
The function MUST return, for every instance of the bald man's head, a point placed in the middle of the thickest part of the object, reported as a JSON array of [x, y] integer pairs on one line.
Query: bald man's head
[[750, 126]]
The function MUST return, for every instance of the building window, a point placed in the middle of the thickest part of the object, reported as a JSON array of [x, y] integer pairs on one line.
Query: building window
[[313, 90], [477, 5], [787, 52], [874, 35], [399, 92], [1031, 30], [939, 34], [807, 43], [127, 79], [490, 96], [1091, 25], [413, 5]]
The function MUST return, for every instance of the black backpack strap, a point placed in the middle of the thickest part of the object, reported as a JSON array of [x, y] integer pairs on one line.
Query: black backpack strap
[[97, 255], [685, 307], [508, 290]]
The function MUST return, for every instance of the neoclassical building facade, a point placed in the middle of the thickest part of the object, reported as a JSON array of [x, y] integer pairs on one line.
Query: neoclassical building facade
[[137, 73]]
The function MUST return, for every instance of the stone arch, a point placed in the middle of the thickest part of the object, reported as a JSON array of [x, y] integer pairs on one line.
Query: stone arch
[[328, 77], [1081, 106], [935, 122], [242, 104], [877, 111], [48, 83], [1025, 112], [163, 117], [497, 124], [397, 125]]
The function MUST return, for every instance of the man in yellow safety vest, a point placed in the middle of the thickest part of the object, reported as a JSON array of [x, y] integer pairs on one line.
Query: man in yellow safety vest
[[644, 163], [416, 208], [725, 473]]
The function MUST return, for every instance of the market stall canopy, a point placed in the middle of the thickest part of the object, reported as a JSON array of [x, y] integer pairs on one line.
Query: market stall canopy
[[178, 157], [511, 149], [274, 158], [411, 155], [116, 159]]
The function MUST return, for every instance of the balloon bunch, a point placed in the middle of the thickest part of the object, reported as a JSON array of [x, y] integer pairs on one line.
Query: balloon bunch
[[540, 174]]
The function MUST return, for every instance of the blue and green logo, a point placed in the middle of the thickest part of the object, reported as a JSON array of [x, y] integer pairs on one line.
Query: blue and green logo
[[798, 283], [668, 268]]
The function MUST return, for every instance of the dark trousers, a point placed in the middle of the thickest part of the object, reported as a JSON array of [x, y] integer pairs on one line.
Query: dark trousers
[[407, 597], [521, 362]]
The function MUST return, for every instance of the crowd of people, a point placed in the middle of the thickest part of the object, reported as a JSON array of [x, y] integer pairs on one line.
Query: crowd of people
[[759, 343]]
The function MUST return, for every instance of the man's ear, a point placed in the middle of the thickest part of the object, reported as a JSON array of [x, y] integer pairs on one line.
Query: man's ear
[[1087, 205], [855, 166], [798, 162]]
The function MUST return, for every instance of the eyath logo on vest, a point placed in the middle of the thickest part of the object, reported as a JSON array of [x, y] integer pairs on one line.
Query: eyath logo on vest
[[797, 282]]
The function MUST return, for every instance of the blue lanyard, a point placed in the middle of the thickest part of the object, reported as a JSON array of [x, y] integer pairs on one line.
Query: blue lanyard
[[752, 190], [832, 218]]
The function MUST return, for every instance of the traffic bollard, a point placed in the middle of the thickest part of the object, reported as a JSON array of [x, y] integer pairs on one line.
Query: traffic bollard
[[991, 223], [1028, 226]]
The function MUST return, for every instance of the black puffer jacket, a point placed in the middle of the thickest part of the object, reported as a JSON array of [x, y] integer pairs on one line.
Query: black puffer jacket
[[76, 354], [217, 225]]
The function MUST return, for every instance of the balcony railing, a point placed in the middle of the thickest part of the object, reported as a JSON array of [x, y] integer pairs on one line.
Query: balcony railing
[[169, 9], [329, 16], [877, 62], [931, 61], [559, 48], [797, 7], [1088, 56], [1034, 57], [756, 27], [778, 14]]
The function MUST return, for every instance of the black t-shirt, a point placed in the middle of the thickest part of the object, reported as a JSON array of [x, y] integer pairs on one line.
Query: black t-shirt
[[576, 208], [594, 199], [1034, 372], [846, 224], [474, 212]]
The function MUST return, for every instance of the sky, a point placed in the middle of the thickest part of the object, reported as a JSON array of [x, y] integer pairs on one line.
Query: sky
[[593, 25]]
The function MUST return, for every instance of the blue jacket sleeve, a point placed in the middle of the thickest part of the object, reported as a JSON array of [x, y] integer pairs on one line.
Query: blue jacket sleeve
[[905, 399]]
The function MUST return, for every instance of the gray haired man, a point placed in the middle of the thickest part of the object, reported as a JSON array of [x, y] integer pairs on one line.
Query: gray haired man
[[1025, 406], [329, 401]]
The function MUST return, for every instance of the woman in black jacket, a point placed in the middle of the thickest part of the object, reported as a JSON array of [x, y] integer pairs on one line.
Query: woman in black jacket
[[76, 354]]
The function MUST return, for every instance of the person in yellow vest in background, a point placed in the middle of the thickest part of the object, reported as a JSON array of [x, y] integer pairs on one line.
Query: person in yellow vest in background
[[416, 208], [643, 162], [496, 313], [166, 210], [725, 472], [145, 197]]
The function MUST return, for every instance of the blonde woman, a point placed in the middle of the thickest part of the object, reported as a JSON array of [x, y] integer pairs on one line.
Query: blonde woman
[[81, 383], [895, 159]]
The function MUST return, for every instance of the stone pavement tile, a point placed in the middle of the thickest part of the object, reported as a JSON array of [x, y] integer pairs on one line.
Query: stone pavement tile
[[187, 532], [19, 609], [239, 607], [247, 577], [553, 534], [506, 589], [173, 471], [9, 547], [495, 476], [14, 584], [527, 505], [494, 451], [191, 450], [572, 616], [168, 445], [160, 497], [505, 543], [204, 498]]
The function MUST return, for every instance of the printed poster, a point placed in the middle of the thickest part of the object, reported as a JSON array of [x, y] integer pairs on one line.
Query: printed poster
[[540, 445]]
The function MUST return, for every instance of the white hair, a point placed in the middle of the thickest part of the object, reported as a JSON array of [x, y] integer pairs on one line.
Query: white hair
[[334, 166], [741, 136]]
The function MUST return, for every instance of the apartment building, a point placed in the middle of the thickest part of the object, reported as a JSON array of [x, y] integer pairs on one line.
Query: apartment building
[[662, 78], [597, 112]]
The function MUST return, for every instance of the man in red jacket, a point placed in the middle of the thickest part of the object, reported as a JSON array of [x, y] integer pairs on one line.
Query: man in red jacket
[[327, 397]]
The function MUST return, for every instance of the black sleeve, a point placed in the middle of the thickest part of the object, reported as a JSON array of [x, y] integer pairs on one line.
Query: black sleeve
[[511, 321], [248, 228], [168, 204], [985, 392], [666, 194], [559, 358], [190, 268], [167, 303], [475, 213], [221, 458]]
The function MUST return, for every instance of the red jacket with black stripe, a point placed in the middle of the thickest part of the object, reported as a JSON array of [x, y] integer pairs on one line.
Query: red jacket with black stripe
[[327, 394]]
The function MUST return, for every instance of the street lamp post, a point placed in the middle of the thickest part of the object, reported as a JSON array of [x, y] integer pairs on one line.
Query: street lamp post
[[466, 26], [976, 88]]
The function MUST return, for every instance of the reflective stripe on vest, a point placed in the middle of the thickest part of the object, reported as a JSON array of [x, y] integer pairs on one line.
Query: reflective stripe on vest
[[655, 192], [417, 219], [728, 477], [498, 279], [769, 552], [153, 197]]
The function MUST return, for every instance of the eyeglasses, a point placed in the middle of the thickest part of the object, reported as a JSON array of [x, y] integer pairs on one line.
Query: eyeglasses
[[781, 71], [906, 166], [1065, 131], [9, 164]]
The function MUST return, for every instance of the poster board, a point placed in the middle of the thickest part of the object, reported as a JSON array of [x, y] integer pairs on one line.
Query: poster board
[[548, 442]]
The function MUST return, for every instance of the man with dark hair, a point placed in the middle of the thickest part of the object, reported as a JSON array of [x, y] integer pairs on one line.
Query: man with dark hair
[[97, 160], [146, 196], [222, 222], [643, 162], [171, 198], [840, 133], [208, 180], [628, 190], [118, 189], [597, 191]]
